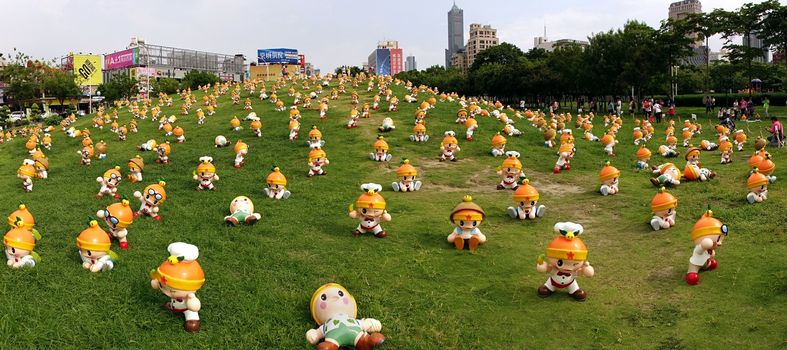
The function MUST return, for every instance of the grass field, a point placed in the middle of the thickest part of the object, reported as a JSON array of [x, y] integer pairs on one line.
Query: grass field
[[426, 294]]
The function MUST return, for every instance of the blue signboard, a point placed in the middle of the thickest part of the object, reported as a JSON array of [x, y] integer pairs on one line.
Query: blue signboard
[[277, 56], [383, 62]]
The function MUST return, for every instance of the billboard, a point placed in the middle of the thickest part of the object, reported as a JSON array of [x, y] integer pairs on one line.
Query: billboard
[[383, 62], [138, 72], [279, 56], [272, 72], [396, 61], [87, 70], [121, 59]]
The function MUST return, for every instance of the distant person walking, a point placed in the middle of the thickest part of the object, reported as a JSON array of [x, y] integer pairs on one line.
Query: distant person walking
[[765, 105], [657, 111]]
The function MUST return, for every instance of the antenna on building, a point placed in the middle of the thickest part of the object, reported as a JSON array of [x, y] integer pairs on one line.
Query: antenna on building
[[545, 31]]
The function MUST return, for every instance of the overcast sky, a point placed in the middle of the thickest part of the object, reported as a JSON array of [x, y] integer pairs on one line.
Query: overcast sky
[[329, 32]]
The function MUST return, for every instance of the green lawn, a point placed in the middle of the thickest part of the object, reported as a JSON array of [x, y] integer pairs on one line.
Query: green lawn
[[426, 294]]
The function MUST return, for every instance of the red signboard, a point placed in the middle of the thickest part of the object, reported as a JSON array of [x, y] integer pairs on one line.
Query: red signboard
[[396, 61]]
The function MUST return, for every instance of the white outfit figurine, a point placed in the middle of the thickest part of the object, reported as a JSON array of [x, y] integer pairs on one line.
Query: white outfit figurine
[[527, 208], [609, 180], [510, 171], [168, 279], [449, 146], [407, 182], [370, 211], [205, 174], [664, 207], [109, 182]]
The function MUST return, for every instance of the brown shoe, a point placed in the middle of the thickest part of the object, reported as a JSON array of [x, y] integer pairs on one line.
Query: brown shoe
[[580, 295], [381, 234], [474, 242], [712, 174], [655, 181], [326, 345], [459, 243], [500, 187], [369, 341], [191, 326], [543, 291], [356, 232]]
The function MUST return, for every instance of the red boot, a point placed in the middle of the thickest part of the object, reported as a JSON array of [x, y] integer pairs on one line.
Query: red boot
[[123, 245], [693, 278], [556, 170], [712, 265]]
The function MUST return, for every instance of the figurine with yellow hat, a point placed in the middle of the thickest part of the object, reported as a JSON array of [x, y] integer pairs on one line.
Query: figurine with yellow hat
[[24, 214], [135, 167], [101, 148], [407, 182], [370, 210], [664, 207], [725, 147], [41, 163], [19, 244], [163, 150], [46, 141], [694, 170], [247, 105], [740, 139], [758, 187], [353, 122], [276, 185], [393, 104], [643, 156], [256, 127], [87, 153], [295, 127], [26, 173], [609, 142], [109, 182], [471, 124], [149, 145], [241, 149], [336, 311], [154, 195], [449, 146], [566, 259], [118, 216], [666, 175], [526, 197], [510, 171], [317, 159], [242, 211], [315, 138], [380, 153], [766, 166], [498, 145], [93, 244], [609, 179], [387, 125], [707, 234], [205, 174], [565, 153], [467, 216], [179, 278], [419, 133]]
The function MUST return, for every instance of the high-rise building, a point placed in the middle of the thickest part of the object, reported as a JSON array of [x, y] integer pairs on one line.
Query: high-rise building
[[481, 38], [542, 43], [681, 9], [386, 59], [409, 64], [456, 33], [754, 42]]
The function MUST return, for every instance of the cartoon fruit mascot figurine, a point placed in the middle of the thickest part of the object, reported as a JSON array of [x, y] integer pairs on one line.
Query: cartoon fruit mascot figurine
[[498, 145], [41, 163], [335, 310], [19, 244], [26, 173], [135, 167], [694, 170], [256, 127], [726, 151], [471, 124], [109, 182], [767, 166], [467, 216], [666, 174], [221, 141], [370, 210], [180, 277], [153, 196], [387, 125], [707, 234], [663, 206], [608, 141], [179, 133], [510, 171], [566, 259], [609, 179], [740, 139], [163, 150], [242, 210], [205, 174], [526, 197], [565, 153], [315, 138], [407, 182], [317, 159], [758, 187], [101, 148], [241, 149], [87, 154], [449, 146], [276, 185], [643, 156], [118, 216], [23, 214], [380, 153], [93, 244], [419, 133], [235, 123]]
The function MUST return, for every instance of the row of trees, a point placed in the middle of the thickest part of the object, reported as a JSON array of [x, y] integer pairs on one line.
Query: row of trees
[[636, 57]]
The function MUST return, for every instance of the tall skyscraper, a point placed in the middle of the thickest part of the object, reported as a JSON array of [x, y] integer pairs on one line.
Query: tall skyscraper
[[409, 64], [456, 32], [754, 42], [681, 9]]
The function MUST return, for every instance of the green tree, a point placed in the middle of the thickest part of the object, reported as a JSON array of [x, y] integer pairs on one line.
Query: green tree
[[166, 85], [61, 86], [774, 27], [120, 86], [195, 79]]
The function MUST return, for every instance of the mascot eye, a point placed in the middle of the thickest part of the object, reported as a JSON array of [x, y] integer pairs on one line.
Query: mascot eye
[[475, 223], [363, 211], [89, 253], [533, 203], [13, 250], [461, 223], [323, 297], [341, 294], [560, 262], [522, 204]]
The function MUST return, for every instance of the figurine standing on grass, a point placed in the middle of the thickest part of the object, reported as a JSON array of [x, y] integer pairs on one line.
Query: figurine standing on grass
[[109, 182], [566, 259], [19, 244], [510, 171], [153, 196], [370, 210], [118, 217], [93, 244], [526, 197], [609, 179], [180, 277], [707, 234], [317, 159], [163, 151], [26, 173], [205, 174], [467, 217], [664, 207], [643, 156], [135, 167], [449, 146], [241, 149]]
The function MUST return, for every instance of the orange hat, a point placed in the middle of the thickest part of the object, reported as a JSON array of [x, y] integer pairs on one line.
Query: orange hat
[[608, 172], [370, 199], [512, 160], [467, 210], [122, 212], [101, 147], [157, 188], [24, 214], [672, 139], [449, 138], [607, 139], [766, 165], [690, 173], [137, 162], [113, 171], [205, 165], [314, 132], [93, 238], [755, 159], [30, 144], [637, 134], [756, 179], [643, 153], [41, 161], [526, 192], [663, 200], [86, 142], [27, 168], [567, 148], [240, 145], [178, 131], [234, 122], [692, 151], [166, 147], [294, 112], [167, 127], [256, 125], [420, 127], [89, 150], [380, 144], [567, 245], [276, 177], [19, 237], [498, 140], [293, 124], [316, 153], [707, 225], [470, 122], [406, 169], [181, 270], [725, 146], [740, 136]]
